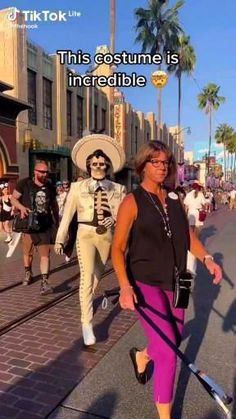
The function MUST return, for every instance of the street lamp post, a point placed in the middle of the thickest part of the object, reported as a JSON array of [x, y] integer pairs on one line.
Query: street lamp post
[[187, 129], [159, 80], [112, 51]]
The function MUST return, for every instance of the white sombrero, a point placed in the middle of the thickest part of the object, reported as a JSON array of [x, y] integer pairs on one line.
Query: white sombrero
[[89, 144]]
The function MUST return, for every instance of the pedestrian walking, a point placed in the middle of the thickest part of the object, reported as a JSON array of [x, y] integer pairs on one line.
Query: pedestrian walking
[[232, 204], [96, 201], [150, 245], [194, 203], [6, 212], [66, 185], [36, 199], [208, 199], [61, 195]]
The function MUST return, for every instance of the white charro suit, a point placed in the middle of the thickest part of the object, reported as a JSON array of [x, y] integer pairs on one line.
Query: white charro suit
[[92, 248]]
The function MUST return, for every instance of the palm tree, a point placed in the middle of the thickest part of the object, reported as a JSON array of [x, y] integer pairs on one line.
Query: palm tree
[[187, 61], [231, 148], [158, 30], [112, 25], [112, 51], [223, 135], [209, 100]]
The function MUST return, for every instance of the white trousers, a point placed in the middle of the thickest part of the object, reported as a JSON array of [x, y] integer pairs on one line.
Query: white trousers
[[92, 251]]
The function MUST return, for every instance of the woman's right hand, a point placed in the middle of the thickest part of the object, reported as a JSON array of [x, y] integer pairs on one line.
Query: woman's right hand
[[128, 298]]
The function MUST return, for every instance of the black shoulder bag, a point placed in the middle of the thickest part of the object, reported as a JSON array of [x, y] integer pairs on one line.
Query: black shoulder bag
[[29, 224], [182, 285], [182, 281]]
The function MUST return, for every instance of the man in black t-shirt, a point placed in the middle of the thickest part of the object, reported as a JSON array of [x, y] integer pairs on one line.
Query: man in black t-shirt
[[37, 195]]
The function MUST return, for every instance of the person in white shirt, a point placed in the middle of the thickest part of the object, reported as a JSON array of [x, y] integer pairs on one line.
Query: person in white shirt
[[195, 202], [232, 204], [208, 199]]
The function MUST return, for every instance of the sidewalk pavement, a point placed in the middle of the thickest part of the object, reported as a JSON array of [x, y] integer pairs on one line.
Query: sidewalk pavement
[[110, 390], [43, 360]]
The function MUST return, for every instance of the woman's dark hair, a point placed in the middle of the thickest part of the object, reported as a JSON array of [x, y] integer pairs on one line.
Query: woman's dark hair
[[146, 152], [98, 153]]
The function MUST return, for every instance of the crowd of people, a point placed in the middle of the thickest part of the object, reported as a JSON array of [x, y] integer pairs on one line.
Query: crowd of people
[[149, 232]]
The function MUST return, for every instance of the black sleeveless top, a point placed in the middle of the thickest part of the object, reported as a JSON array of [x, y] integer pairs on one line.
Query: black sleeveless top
[[150, 257]]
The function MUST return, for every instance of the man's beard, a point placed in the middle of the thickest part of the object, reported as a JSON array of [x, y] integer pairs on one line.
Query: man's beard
[[42, 179]]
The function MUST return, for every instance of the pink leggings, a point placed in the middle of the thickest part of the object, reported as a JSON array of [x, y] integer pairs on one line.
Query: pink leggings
[[156, 305]]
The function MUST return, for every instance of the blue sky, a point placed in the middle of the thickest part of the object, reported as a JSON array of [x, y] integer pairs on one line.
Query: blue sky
[[211, 26]]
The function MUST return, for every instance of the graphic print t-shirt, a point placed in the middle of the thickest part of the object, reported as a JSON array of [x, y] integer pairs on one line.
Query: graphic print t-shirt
[[37, 198]]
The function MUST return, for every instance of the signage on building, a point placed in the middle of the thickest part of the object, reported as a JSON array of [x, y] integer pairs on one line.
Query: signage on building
[[117, 123]]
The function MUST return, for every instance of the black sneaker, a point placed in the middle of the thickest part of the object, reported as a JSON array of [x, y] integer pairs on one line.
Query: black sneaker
[[27, 279], [45, 288]]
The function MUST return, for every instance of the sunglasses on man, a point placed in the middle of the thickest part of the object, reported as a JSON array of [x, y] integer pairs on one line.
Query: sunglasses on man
[[44, 172]]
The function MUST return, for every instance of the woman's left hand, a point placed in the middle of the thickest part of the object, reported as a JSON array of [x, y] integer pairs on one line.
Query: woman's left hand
[[215, 270]]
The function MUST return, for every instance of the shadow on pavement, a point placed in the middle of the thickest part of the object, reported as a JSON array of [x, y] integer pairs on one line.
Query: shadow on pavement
[[234, 400], [219, 259], [102, 329], [67, 285], [109, 400], [207, 232], [204, 296], [212, 415], [42, 390], [64, 265]]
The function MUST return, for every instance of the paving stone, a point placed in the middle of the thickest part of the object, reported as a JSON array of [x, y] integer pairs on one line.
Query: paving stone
[[46, 358], [7, 412]]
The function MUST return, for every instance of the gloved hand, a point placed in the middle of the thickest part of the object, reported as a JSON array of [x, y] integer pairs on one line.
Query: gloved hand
[[58, 248], [108, 222]]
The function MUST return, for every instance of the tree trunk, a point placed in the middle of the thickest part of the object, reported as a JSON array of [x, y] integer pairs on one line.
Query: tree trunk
[[227, 164], [112, 25], [234, 166], [159, 99], [231, 165], [179, 107], [210, 131], [224, 161], [112, 51]]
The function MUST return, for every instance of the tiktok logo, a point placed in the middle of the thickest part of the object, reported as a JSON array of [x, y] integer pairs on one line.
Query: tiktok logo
[[12, 14]]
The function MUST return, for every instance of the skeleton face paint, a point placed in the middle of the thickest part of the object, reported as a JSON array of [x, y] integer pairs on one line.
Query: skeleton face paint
[[98, 167]]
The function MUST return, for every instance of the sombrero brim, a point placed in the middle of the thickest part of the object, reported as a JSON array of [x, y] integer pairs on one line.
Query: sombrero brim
[[89, 144]]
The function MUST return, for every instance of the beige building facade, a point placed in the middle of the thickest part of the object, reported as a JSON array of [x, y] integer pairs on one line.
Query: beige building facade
[[60, 115]]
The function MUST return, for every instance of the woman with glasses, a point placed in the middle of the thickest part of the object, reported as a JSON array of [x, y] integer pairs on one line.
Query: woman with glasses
[[151, 223]]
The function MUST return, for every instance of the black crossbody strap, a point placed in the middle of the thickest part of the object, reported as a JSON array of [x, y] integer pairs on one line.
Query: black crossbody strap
[[175, 258]]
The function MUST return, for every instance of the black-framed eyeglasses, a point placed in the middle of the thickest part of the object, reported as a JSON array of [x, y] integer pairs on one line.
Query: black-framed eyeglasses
[[158, 163], [44, 172]]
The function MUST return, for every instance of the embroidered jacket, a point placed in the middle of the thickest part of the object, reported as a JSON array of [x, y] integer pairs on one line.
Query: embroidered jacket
[[81, 199]]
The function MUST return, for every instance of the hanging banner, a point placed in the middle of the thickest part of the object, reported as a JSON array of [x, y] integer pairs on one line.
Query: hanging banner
[[180, 173]]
